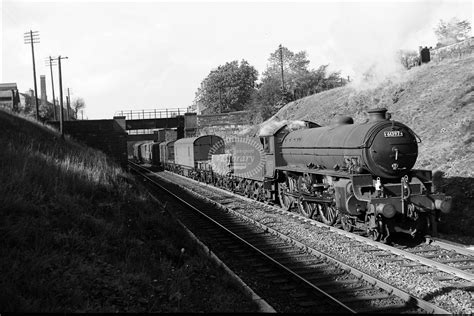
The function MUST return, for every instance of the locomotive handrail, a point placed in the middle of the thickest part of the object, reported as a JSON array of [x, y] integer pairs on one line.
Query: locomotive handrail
[[417, 137]]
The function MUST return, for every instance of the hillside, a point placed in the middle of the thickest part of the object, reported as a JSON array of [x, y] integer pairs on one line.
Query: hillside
[[77, 234], [436, 100]]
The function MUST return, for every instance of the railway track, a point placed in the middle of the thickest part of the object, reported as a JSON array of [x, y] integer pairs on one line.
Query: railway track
[[309, 276], [442, 284], [455, 260]]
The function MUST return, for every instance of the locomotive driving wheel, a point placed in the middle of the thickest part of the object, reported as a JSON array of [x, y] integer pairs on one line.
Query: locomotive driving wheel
[[307, 209], [285, 200], [328, 214]]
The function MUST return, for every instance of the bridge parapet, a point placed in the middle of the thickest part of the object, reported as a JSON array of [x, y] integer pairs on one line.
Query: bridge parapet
[[151, 113]]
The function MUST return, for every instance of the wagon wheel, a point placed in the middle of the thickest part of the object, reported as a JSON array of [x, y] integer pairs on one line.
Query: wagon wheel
[[259, 193], [285, 201], [240, 187], [328, 214], [248, 189], [307, 208], [348, 223]]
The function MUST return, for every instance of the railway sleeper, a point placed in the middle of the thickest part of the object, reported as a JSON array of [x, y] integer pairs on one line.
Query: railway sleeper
[[386, 309], [338, 282], [432, 256], [280, 281], [323, 277], [287, 287], [272, 274], [265, 247], [334, 272], [416, 251], [308, 303], [365, 298], [267, 239], [287, 254], [455, 260], [321, 264], [446, 278], [465, 267], [299, 294], [465, 286], [347, 290]]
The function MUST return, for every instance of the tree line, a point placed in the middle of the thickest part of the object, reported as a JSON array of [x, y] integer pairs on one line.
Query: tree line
[[235, 86]]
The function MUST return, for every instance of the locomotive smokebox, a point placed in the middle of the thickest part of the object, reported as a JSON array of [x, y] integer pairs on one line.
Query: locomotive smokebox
[[377, 114]]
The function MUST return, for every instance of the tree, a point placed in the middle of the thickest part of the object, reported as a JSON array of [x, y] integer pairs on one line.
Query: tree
[[298, 81], [77, 105], [452, 32], [227, 88], [409, 58]]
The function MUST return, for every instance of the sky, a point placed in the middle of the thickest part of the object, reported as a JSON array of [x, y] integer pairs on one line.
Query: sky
[[134, 55]]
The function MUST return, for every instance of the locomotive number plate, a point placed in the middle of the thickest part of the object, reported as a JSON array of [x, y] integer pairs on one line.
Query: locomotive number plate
[[393, 134]]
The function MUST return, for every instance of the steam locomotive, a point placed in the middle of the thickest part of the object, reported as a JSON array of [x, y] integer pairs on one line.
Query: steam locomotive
[[359, 174]]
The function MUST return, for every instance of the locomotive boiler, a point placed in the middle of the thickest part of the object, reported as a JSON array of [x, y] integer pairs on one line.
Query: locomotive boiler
[[362, 174]]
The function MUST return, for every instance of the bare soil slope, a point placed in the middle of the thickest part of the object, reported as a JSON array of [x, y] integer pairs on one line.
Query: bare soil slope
[[437, 101]]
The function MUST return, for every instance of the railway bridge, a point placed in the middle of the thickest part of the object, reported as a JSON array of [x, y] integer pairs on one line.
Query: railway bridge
[[141, 125], [116, 137]]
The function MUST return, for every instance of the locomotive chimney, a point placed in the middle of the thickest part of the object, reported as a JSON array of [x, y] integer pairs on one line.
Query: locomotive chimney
[[377, 114]]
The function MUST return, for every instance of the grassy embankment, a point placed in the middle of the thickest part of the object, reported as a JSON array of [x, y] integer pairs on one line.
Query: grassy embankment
[[437, 101], [77, 236]]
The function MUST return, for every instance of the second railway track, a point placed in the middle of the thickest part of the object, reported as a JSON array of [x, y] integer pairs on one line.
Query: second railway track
[[303, 271]]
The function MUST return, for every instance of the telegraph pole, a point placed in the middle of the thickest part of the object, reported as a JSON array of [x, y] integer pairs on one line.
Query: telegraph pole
[[32, 37], [61, 117], [50, 62], [281, 65]]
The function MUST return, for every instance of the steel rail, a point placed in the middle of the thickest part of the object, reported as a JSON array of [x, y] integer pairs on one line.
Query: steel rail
[[243, 241]]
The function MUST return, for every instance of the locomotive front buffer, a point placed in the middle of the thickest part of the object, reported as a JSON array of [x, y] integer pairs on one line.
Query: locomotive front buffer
[[409, 206]]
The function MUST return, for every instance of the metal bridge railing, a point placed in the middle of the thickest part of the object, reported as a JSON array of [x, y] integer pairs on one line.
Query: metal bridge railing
[[151, 114]]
